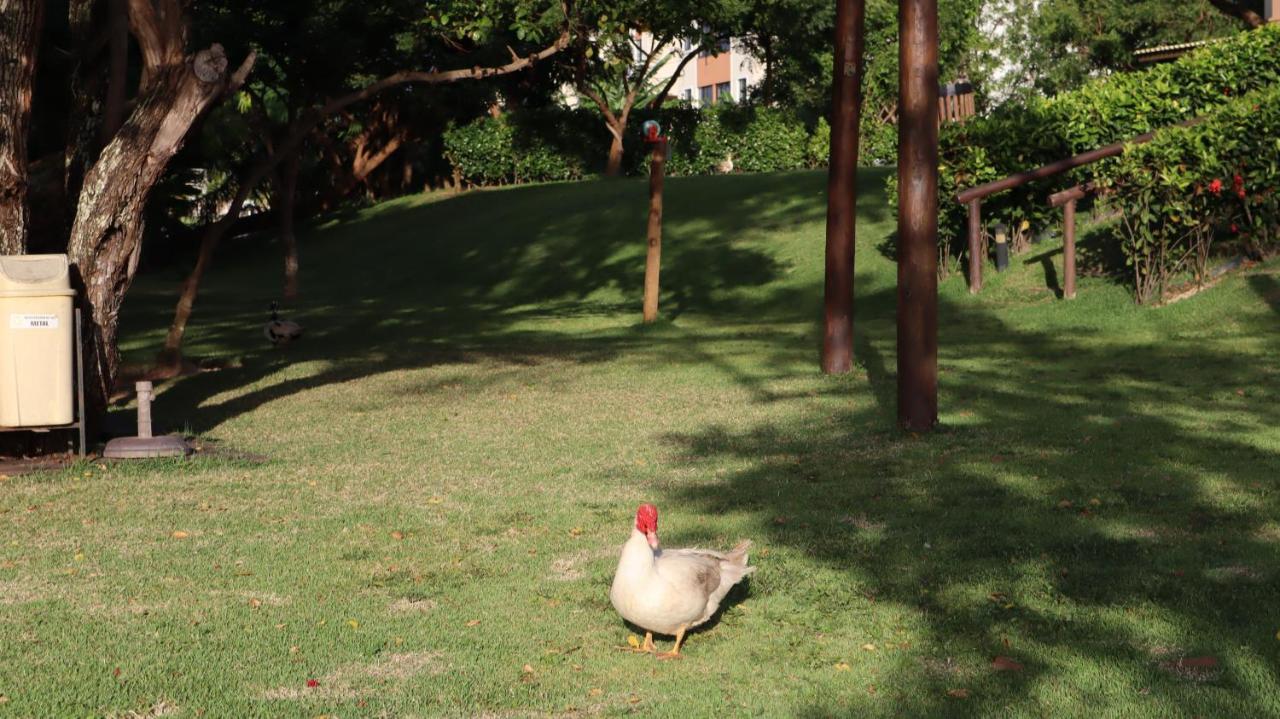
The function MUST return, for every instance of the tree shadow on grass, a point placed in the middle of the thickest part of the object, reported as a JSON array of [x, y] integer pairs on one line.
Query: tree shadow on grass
[[1110, 498], [460, 280]]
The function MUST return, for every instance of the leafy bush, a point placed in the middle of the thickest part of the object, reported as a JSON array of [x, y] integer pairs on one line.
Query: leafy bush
[[1021, 136], [562, 144], [1187, 185], [482, 151], [818, 150], [494, 151]]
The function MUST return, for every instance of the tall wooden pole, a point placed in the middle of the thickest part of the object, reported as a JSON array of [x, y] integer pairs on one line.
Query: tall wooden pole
[[918, 214], [842, 177], [653, 259]]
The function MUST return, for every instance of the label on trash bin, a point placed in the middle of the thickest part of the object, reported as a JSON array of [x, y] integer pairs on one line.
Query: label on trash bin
[[33, 322]]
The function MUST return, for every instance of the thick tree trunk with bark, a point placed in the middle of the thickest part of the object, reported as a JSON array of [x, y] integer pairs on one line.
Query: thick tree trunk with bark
[[20, 38], [106, 237]]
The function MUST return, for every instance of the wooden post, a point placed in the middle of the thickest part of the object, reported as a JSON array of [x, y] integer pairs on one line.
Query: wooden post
[[842, 189], [975, 246], [144, 408], [918, 215], [653, 259], [1069, 249]]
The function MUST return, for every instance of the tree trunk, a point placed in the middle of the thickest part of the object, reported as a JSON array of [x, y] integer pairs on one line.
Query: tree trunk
[[85, 113], [106, 236], [918, 215], [614, 166], [118, 69], [20, 37], [842, 187], [286, 200]]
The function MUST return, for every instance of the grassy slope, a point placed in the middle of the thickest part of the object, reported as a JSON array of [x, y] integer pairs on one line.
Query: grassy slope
[[474, 381]]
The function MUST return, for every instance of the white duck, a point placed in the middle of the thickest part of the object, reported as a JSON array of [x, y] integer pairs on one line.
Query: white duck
[[278, 331], [670, 591]]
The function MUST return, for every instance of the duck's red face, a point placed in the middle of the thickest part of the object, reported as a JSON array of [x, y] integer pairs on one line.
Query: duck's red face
[[647, 522]]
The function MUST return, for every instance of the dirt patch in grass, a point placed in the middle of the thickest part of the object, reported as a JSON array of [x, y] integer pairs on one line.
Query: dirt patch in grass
[[14, 591], [405, 605], [351, 680], [159, 709], [572, 567]]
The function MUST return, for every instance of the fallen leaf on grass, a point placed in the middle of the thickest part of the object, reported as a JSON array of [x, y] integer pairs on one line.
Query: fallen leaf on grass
[[397, 535], [842, 666], [1064, 504], [1005, 664], [958, 693], [435, 500], [633, 641], [255, 602], [179, 534], [473, 623], [575, 532], [868, 647], [633, 699], [595, 692], [353, 624]]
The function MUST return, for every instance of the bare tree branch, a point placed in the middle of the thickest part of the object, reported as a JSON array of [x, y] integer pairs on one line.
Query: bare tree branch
[[661, 97]]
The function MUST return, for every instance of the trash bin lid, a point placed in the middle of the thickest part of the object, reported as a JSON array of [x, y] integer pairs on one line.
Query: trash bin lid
[[22, 274]]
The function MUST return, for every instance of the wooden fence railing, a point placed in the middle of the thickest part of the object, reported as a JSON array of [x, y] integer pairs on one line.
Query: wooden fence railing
[[1066, 199], [955, 104]]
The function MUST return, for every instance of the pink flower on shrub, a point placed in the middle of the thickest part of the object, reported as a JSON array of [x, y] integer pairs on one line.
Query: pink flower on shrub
[[1216, 186], [1234, 230]]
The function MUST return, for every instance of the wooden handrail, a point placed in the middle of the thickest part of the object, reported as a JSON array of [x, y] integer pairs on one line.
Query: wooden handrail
[[973, 196], [1053, 168]]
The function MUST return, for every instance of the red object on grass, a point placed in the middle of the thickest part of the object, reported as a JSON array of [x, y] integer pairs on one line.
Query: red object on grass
[[1216, 186], [312, 683]]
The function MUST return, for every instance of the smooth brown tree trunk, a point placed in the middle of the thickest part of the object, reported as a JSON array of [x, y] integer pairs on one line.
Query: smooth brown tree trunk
[[653, 257], [20, 39], [106, 236], [842, 188], [286, 202], [918, 215]]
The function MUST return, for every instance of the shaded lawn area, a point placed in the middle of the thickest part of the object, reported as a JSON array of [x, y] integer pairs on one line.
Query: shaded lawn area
[[455, 451]]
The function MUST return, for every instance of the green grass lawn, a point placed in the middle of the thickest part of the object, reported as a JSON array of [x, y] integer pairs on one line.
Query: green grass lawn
[[419, 506]]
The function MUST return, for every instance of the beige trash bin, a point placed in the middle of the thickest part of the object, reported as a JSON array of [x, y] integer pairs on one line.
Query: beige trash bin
[[36, 324]]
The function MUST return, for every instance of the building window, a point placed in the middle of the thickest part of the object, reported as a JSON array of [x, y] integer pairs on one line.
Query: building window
[[688, 94], [706, 94], [742, 89], [723, 45], [722, 92], [686, 45]]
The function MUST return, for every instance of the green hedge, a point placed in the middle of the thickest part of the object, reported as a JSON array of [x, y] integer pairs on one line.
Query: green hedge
[[1190, 186], [1018, 136], [563, 144], [493, 151]]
